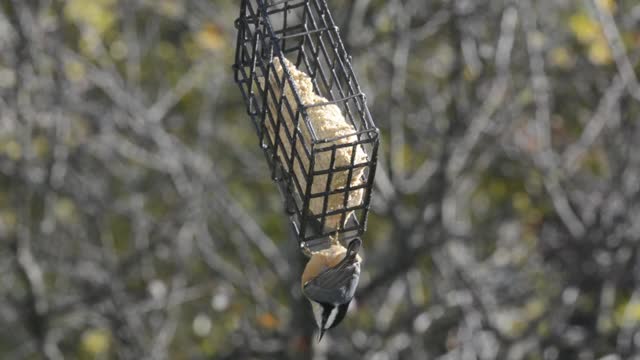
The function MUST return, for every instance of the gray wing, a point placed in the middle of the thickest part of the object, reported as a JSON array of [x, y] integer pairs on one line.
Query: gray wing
[[334, 285]]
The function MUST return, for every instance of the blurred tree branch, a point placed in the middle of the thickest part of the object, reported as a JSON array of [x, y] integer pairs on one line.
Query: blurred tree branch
[[141, 222]]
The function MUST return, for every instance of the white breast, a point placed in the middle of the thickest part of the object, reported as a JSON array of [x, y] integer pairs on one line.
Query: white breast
[[317, 312]]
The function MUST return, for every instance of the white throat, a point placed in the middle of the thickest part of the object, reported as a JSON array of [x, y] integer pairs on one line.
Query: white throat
[[317, 314]]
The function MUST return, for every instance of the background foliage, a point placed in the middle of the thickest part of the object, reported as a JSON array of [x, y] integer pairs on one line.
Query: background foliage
[[138, 219]]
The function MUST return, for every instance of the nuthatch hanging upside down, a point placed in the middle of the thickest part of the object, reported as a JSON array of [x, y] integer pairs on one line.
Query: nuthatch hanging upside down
[[329, 281]]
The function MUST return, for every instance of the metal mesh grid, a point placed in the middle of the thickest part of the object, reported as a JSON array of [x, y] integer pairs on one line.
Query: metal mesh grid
[[326, 180]]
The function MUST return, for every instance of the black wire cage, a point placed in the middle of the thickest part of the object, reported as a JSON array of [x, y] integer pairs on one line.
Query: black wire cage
[[310, 115]]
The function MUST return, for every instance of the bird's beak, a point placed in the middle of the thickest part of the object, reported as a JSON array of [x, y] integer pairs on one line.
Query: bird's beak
[[321, 335]]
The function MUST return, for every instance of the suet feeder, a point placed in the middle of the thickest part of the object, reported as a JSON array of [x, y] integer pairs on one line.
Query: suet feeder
[[310, 114]]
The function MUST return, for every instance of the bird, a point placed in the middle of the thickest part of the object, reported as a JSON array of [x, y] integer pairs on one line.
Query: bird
[[329, 281]]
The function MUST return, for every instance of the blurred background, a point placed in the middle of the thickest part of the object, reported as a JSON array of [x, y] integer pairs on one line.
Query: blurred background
[[138, 219]]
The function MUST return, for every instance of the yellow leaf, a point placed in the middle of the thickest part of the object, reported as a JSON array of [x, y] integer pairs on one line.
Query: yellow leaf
[[599, 52], [170, 8], [561, 57], [609, 5], [9, 219], [210, 37], [40, 146], [118, 50], [96, 13], [634, 312], [521, 201], [534, 308], [584, 28], [628, 313], [268, 321], [385, 24], [469, 73], [12, 149], [96, 341], [75, 70], [166, 50], [64, 209], [497, 189]]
